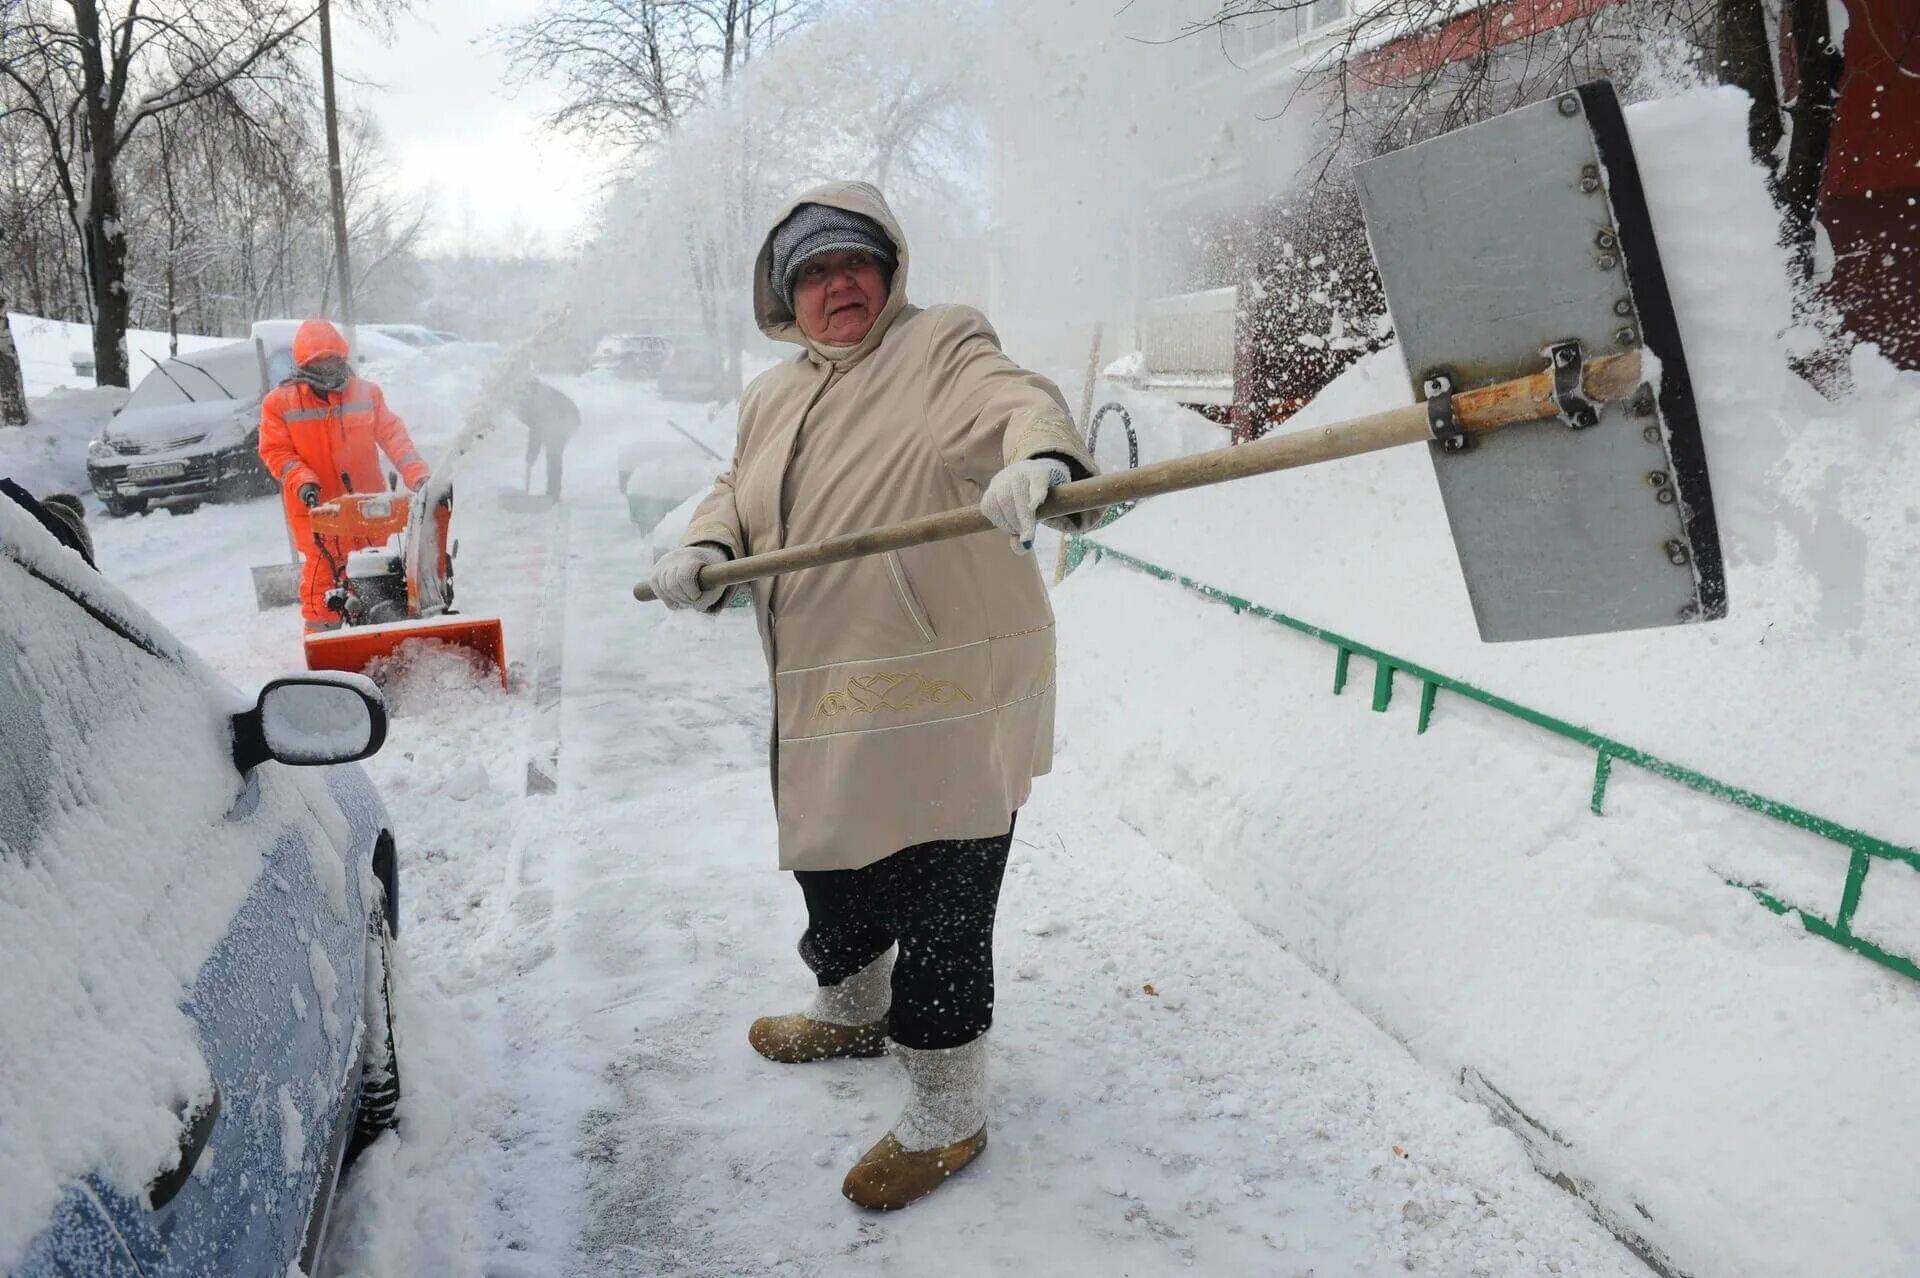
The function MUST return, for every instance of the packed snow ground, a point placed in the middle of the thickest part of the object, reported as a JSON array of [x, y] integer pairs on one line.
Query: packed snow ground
[[578, 968]]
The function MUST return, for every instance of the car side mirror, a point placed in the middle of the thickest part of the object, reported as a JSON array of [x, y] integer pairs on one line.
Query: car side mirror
[[310, 721]]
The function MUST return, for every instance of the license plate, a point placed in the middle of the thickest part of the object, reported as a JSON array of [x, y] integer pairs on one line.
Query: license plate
[[165, 470]]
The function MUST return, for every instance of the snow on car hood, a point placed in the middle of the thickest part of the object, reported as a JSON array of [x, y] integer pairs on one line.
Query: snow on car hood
[[217, 423], [119, 873]]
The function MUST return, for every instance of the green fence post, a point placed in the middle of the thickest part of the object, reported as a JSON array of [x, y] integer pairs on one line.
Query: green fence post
[[1428, 690], [1382, 685], [1850, 895], [1340, 659], [1602, 769]]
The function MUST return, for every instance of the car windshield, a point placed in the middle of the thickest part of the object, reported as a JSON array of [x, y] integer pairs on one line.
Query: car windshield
[[226, 372], [279, 364]]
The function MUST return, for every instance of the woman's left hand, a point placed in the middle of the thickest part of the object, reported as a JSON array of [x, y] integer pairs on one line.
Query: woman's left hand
[[1013, 498]]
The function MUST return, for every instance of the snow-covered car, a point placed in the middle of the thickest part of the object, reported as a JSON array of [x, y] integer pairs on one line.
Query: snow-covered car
[[196, 915], [416, 335], [189, 432], [693, 372], [636, 356]]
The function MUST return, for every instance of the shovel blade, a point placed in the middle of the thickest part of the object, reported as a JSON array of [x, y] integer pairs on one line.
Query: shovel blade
[[275, 586], [1493, 243], [355, 648]]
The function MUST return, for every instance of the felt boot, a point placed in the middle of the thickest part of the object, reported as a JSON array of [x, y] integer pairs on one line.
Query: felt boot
[[848, 1019], [942, 1129]]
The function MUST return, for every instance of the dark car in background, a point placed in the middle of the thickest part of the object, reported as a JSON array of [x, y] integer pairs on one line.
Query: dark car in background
[[190, 432], [197, 903]]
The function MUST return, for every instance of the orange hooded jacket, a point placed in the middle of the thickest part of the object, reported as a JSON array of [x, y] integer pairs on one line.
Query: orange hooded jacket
[[330, 441]]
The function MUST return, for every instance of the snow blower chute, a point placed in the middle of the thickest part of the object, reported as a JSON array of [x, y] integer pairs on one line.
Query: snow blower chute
[[1519, 264], [398, 589]]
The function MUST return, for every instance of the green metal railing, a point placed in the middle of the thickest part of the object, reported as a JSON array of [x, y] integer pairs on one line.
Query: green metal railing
[[1863, 849]]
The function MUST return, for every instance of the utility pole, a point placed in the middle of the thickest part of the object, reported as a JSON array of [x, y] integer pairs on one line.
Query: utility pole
[[335, 180]]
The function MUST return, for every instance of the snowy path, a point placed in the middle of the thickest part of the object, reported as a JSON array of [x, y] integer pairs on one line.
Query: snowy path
[[1172, 1091]]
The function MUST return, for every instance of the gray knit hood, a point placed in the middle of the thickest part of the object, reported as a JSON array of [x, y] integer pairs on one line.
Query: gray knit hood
[[771, 311]]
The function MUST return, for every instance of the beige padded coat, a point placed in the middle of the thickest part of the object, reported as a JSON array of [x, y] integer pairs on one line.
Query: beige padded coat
[[912, 692]]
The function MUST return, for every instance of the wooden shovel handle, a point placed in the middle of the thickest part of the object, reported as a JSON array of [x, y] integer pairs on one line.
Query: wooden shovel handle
[[1524, 399]]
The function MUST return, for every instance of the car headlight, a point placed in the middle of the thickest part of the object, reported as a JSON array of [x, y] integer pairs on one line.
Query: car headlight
[[99, 450]]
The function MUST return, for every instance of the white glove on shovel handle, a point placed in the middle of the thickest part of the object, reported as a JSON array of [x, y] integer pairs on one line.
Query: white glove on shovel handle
[[1015, 494], [676, 578]]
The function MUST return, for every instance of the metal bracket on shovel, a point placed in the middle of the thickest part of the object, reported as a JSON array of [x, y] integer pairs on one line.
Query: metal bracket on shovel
[[1441, 422], [1569, 383]]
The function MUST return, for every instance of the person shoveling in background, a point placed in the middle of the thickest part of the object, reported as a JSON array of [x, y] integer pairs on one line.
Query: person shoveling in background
[[913, 692], [321, 435], [551, 417]]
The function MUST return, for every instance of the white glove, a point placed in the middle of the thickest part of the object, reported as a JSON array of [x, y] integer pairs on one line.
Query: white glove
[[676, 577], [1016, 493]]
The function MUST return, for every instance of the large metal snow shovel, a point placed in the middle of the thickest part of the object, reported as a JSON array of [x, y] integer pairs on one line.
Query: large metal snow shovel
[[1521, 271], [277, 585]]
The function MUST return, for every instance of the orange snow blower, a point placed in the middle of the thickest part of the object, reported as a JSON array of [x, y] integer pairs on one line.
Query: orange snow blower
[[398, 587]]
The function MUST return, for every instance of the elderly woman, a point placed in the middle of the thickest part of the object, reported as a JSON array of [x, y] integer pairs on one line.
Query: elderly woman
[[913, 692]]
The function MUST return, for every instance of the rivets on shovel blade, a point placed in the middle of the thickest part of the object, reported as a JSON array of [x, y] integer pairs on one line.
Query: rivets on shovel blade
[[1656, 479], [1623, 307], [1677, 552], [1589, 178], [1651, 434], [1605, 241], [1570, 104], [1626, 337]]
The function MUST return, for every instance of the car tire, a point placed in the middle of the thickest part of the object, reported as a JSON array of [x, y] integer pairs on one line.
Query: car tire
[[379, 1109], [121, 507]]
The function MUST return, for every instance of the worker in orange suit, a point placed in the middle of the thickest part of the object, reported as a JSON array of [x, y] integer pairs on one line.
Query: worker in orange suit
[[321, 433]]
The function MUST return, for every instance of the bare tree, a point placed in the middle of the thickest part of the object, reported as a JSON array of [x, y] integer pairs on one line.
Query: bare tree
[[13, 397], [630, 70], [94, 74]]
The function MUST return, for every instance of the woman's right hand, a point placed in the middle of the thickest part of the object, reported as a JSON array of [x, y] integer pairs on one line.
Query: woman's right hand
[[676, 577]]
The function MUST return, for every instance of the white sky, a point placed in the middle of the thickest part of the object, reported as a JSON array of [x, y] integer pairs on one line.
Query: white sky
[[452, 126]]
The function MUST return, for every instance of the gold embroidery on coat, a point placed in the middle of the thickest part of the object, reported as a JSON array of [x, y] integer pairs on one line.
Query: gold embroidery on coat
[[889, 690]]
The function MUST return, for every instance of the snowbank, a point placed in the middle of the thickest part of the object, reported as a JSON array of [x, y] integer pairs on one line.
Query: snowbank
[[49, 453], [48, 348], [1726, 1086]]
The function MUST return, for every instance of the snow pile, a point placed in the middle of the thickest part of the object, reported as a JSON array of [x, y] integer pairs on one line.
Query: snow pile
[[1658, 1025], [49, 453], [49, 348]]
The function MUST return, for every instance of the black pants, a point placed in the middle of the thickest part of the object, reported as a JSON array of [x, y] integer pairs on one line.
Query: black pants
[[937, 901], [551, 440]]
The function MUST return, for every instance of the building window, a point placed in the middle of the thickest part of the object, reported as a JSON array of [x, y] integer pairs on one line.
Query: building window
[[1326, 12]]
